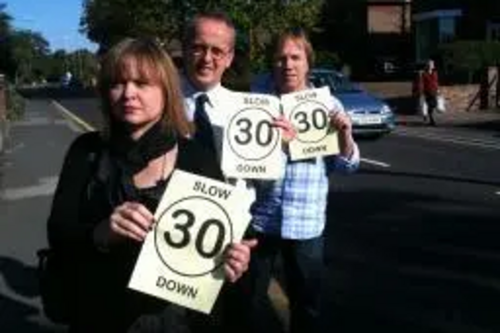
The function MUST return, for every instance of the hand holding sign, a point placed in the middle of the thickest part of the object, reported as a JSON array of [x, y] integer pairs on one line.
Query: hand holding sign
[[308, 111], [238, 258], [182, 259], [340, 121], [288, 131], [252, 145]]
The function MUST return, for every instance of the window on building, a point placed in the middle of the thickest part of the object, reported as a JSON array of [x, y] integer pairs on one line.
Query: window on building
[[446, 29], [493, 31]]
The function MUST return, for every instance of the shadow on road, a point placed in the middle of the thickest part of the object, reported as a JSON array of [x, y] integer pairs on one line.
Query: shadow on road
[[19, 277], [493, 126], [17, 315], [405, 262]]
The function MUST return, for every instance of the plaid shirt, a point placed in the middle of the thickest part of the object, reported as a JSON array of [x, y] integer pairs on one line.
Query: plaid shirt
[[294, 207]]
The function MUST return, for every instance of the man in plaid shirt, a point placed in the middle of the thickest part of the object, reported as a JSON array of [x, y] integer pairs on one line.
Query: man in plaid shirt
[[289, 214]]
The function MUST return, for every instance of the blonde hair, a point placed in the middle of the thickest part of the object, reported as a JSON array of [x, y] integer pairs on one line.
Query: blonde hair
[[151, 61]]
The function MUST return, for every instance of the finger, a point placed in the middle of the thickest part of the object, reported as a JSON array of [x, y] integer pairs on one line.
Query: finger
[[128, 222], [138, 214], [238, 266], [282, 124], [234, 269], [127, 228], [230, 274], [141, 209], [251, 243], [243, 247], [240, 254], [124, 229], [340, 121]]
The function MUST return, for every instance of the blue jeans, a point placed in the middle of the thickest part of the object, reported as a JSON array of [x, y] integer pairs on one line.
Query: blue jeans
[[303, 271]]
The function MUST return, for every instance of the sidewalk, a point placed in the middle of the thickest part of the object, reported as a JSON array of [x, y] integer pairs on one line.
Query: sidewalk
[[482, 120], [29, 171]]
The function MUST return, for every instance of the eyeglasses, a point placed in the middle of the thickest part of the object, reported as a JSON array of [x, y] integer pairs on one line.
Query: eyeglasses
[[199, 50]]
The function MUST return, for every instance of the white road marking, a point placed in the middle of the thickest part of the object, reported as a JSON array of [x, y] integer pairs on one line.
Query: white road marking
[[74, 118], [15, 148], [450, 138], [45, 187], [374, 162]]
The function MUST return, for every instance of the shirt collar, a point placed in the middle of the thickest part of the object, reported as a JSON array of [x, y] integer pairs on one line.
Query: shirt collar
[[191, 92]]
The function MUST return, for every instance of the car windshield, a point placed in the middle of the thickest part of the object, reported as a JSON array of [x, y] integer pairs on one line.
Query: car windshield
[[338, 83]]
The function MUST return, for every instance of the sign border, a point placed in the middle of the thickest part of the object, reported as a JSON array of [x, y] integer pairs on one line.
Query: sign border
[[327, 128], [231, 234], [231, 145]]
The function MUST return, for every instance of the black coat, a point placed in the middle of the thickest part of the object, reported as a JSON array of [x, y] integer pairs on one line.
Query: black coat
[[102, 302]]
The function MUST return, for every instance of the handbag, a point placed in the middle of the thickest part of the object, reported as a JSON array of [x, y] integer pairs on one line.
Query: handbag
[[440, 104], [55, 275], [422, 106], [58, 268]]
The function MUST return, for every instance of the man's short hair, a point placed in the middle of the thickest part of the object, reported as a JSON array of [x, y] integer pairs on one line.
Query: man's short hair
[[215, 15]]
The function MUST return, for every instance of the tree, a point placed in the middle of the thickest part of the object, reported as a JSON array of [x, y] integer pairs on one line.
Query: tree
[[83, 64], [259, 20], [463, 60], [5, 21], [26, 47], [107, 21], [5, 29]]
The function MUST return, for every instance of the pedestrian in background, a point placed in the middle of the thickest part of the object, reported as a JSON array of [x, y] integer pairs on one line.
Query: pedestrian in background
[[428, 90], [111, 183], [289, 214]]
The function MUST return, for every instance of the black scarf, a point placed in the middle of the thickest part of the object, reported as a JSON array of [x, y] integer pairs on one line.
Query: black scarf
[[135, 155]]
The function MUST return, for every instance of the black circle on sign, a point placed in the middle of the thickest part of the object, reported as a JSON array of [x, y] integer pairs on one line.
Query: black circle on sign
[[167, 210], [233, 120], [297, 109]]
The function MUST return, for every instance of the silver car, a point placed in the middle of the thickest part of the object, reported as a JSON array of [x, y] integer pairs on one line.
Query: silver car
[[368, 113]]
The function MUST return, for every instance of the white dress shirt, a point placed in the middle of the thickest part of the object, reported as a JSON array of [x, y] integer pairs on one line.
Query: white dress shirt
[[219, 98]]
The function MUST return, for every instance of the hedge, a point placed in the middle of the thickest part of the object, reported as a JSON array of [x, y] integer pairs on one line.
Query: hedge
[[463, 60]]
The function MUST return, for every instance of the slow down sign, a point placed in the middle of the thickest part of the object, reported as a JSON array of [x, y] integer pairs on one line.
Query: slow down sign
[[182, 258]]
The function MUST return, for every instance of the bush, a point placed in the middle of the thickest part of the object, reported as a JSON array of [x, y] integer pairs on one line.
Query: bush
[[15, 103], [463, 61]]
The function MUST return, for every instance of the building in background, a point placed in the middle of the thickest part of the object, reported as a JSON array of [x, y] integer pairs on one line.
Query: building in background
[[388, 36], [374, 37], [441, 21]]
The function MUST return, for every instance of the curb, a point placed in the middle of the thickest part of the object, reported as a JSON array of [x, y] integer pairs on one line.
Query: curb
[[73, 118]]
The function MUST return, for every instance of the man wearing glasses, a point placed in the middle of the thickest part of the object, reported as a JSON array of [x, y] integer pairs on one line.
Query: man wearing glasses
[[208, 50]]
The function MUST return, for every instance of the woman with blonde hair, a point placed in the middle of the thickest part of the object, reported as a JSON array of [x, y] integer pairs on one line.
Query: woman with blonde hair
[[111, 183]]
